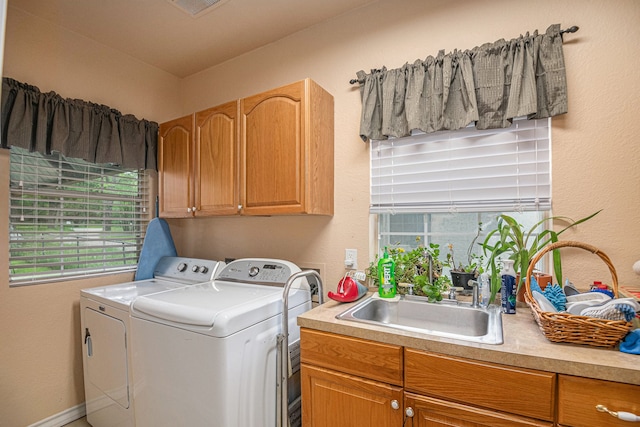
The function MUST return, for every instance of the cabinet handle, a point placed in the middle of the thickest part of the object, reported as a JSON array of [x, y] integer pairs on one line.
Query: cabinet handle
[[395, 404], [189, 210], [624, 416], [409, 412]]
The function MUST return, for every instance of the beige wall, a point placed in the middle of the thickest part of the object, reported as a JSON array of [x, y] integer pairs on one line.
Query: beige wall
[[40, 342], [595, 151]]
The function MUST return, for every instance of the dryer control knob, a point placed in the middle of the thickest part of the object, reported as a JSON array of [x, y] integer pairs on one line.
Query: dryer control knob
[[253, 271], [182, 266], [195, 268], [204, 269]]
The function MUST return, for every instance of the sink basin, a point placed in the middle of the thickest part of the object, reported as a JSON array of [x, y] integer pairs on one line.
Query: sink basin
[[459, 321]]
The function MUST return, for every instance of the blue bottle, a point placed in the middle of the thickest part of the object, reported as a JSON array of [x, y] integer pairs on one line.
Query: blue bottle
[[509, 287]]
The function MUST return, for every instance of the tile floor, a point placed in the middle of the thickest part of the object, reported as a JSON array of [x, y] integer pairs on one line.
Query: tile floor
[[82, 422]]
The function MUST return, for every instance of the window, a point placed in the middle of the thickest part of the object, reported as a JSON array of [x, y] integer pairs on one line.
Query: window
[[441, 186], [459, 229], [71, 219]]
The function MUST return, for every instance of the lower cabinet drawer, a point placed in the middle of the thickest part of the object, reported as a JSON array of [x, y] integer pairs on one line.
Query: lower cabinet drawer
[[578, 397], [367, 359], [525, 392]]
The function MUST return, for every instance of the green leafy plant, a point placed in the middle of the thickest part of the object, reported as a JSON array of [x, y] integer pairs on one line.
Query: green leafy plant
[[521, 245], [474, 261], [413, 267]]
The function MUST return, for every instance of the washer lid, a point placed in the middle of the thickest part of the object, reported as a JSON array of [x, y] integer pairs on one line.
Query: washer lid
[[123, 293], [216, 308]]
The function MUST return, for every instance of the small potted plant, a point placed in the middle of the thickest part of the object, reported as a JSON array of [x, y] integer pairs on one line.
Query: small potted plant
[[521, 245], [462, 273], [419, 267]]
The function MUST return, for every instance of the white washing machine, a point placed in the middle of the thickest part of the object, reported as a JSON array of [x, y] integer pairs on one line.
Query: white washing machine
[[104, 314], [205, 355]]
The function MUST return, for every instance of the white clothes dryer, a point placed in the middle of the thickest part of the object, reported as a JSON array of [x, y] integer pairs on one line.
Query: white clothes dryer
[[205, 355], [104, 316]]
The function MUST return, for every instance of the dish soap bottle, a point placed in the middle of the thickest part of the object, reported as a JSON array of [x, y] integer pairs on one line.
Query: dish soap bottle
[[485, 289], [509, 287], [386, 276]]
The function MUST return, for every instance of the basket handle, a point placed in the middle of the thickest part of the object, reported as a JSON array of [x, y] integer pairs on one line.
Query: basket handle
[[571, 244]]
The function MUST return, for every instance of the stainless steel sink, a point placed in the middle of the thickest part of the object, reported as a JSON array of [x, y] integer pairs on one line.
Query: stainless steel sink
[[459, 320]]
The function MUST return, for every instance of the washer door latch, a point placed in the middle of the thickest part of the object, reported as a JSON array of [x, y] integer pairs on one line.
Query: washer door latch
[[87, 341]]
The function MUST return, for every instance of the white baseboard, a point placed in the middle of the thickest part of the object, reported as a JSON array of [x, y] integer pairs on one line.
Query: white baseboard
[[62, 418]]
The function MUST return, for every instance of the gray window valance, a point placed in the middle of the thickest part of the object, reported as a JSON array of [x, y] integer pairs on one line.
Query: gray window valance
[[489, 85], [46, 122]]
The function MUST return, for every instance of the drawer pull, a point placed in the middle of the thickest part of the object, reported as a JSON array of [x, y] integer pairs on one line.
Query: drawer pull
[[624, 416]]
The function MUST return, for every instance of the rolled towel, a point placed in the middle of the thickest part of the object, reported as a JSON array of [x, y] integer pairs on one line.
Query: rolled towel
[[631, 343], [616, 309]]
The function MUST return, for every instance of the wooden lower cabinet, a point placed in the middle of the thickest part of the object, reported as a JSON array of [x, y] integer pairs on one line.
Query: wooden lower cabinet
[[431, 412], [353, 382], [578, 398], [341, 400]]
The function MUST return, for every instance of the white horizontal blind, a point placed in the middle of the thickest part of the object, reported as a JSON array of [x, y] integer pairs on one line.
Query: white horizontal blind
[[70, 218], [467, 170]]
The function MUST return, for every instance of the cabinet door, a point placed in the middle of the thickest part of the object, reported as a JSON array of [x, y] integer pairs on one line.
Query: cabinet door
[[429, 412], [175, 177], [272, 145], [216, 161], [333, 399], [578, 398]]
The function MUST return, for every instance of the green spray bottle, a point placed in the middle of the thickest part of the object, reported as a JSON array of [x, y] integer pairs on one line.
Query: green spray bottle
[[386, 276]]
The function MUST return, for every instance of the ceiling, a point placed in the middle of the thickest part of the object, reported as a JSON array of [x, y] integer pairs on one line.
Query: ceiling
[[161, 34]]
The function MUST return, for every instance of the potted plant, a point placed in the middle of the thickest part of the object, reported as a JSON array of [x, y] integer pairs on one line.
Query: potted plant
[[419, 267], [462, 273], [520, 245]]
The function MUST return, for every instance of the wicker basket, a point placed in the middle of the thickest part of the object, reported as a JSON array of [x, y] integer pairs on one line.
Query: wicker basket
[[570, 328]]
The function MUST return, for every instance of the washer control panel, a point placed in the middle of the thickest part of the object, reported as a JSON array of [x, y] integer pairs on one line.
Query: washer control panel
[[258, 271], [190, 270]]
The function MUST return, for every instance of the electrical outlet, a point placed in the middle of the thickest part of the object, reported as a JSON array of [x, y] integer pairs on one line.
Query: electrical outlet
[[351, 259]]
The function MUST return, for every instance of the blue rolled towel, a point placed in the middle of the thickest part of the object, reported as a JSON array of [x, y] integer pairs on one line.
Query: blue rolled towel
[[631, 343]]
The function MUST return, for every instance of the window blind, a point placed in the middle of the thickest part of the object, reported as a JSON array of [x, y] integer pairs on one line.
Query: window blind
[[467, 170], [70, 218]]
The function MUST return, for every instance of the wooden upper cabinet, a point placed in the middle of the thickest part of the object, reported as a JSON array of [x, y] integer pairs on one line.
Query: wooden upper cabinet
[[269, 154], [216, 161], [198, 167], [287, 151], [175, 168]]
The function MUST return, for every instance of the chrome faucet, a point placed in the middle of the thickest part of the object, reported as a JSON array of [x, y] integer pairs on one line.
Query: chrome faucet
[[474, 293]]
